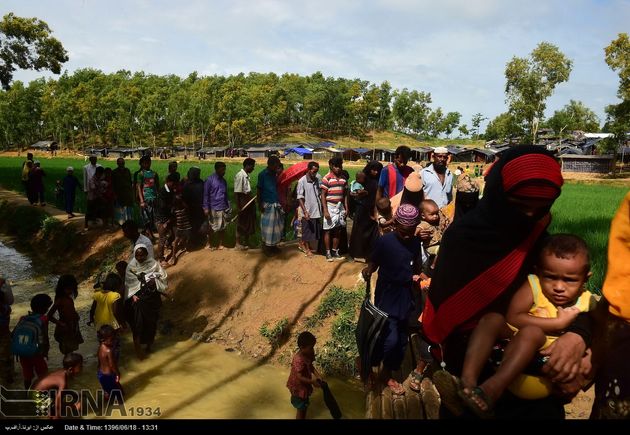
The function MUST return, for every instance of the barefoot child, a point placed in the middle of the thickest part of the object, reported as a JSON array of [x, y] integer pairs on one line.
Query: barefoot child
[[59, 380], [542, 308], [303, 375], [108, 373], [67, 332]]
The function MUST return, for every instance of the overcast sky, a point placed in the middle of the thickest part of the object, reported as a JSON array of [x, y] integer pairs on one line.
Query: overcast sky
[[455, 49]]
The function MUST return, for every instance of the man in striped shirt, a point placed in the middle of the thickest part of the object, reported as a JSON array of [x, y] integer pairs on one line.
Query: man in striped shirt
[[335, 204]]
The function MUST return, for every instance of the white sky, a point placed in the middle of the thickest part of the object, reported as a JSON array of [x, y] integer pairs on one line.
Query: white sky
[[455, 49]]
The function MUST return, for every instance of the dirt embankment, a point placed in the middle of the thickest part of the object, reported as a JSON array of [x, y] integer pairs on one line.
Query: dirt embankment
[[223, 296]]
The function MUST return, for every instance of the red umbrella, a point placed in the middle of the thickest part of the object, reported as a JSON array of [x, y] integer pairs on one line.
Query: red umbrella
[[287, 177]]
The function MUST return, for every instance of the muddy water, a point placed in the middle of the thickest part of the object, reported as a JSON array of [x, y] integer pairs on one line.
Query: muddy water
[[184, 379]]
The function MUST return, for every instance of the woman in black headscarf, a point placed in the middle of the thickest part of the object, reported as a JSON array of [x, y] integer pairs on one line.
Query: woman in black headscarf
[[486, 255], [364, 226]]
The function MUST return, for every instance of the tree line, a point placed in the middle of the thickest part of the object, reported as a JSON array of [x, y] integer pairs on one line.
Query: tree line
[[138, 109]]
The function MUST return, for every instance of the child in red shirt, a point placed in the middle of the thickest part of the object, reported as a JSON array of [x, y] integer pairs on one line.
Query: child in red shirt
[[301, 379]]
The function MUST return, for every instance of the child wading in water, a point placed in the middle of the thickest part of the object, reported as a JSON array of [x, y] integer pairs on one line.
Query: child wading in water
[[59, 380], [542, 308], [301, 379], [107, 308], [67, 331], [108, 373]]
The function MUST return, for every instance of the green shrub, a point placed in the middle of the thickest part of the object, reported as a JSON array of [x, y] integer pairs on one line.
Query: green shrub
[[50, 226], [277, 333], [336, 300], [338, 355], [26, 221]]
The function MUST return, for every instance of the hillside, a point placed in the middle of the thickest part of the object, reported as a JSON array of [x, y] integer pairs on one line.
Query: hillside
[[377, 139]]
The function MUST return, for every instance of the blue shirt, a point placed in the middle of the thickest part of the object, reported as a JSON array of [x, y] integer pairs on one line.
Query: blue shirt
[[215, 193], [383, 180], [433, 188], [70, 184], [397, 262], [268, 188]]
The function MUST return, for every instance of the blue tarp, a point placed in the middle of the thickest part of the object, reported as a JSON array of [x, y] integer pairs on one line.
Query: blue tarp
[[299, 150]]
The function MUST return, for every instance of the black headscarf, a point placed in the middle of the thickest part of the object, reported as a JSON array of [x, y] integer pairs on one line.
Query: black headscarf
[[484, 256]]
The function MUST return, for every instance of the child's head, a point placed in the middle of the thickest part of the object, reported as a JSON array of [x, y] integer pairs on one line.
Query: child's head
[[67, 286], [336, 166], [563, 268], [112, 282], [121, 268], [360, 177], [407, 219], [41, 303], [171, 180], [172, 167], [99, 171], [383, 206], [106, 335], [145, 162], [73, 362], [220, 168], [58, 182], [306, 341], [430, 212]]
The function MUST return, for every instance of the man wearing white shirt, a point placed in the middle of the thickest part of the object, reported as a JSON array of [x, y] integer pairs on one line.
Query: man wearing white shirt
[[246, 224], [88, 171], [437, 179]]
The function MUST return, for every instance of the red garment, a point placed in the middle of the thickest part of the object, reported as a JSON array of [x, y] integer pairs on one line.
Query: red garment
[[303, 366], [532, 176], [34, 364]]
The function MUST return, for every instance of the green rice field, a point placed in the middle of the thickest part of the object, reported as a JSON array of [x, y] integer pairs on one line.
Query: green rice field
[[583, 209]]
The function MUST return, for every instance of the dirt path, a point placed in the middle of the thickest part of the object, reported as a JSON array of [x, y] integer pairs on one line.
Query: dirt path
[[20, 199]]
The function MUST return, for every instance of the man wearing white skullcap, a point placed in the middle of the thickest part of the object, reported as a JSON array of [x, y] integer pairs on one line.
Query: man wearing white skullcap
[[437, 179]]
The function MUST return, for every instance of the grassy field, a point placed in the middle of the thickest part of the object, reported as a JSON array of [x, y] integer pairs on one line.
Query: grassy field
[[586, 210], [583, 209]]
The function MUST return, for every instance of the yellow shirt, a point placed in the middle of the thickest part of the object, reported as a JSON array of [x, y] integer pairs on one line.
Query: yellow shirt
[[617, 282], [104, 314], [25, 170], [542, 307], [536, 387]]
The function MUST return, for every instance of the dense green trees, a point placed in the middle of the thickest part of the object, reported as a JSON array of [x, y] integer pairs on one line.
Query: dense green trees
[[618, 115], [26, 43], [573, 116], [89, 107]]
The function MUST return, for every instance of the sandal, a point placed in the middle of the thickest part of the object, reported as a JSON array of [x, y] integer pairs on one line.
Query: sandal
[[415, 379], [472, 399], [395, 387]]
